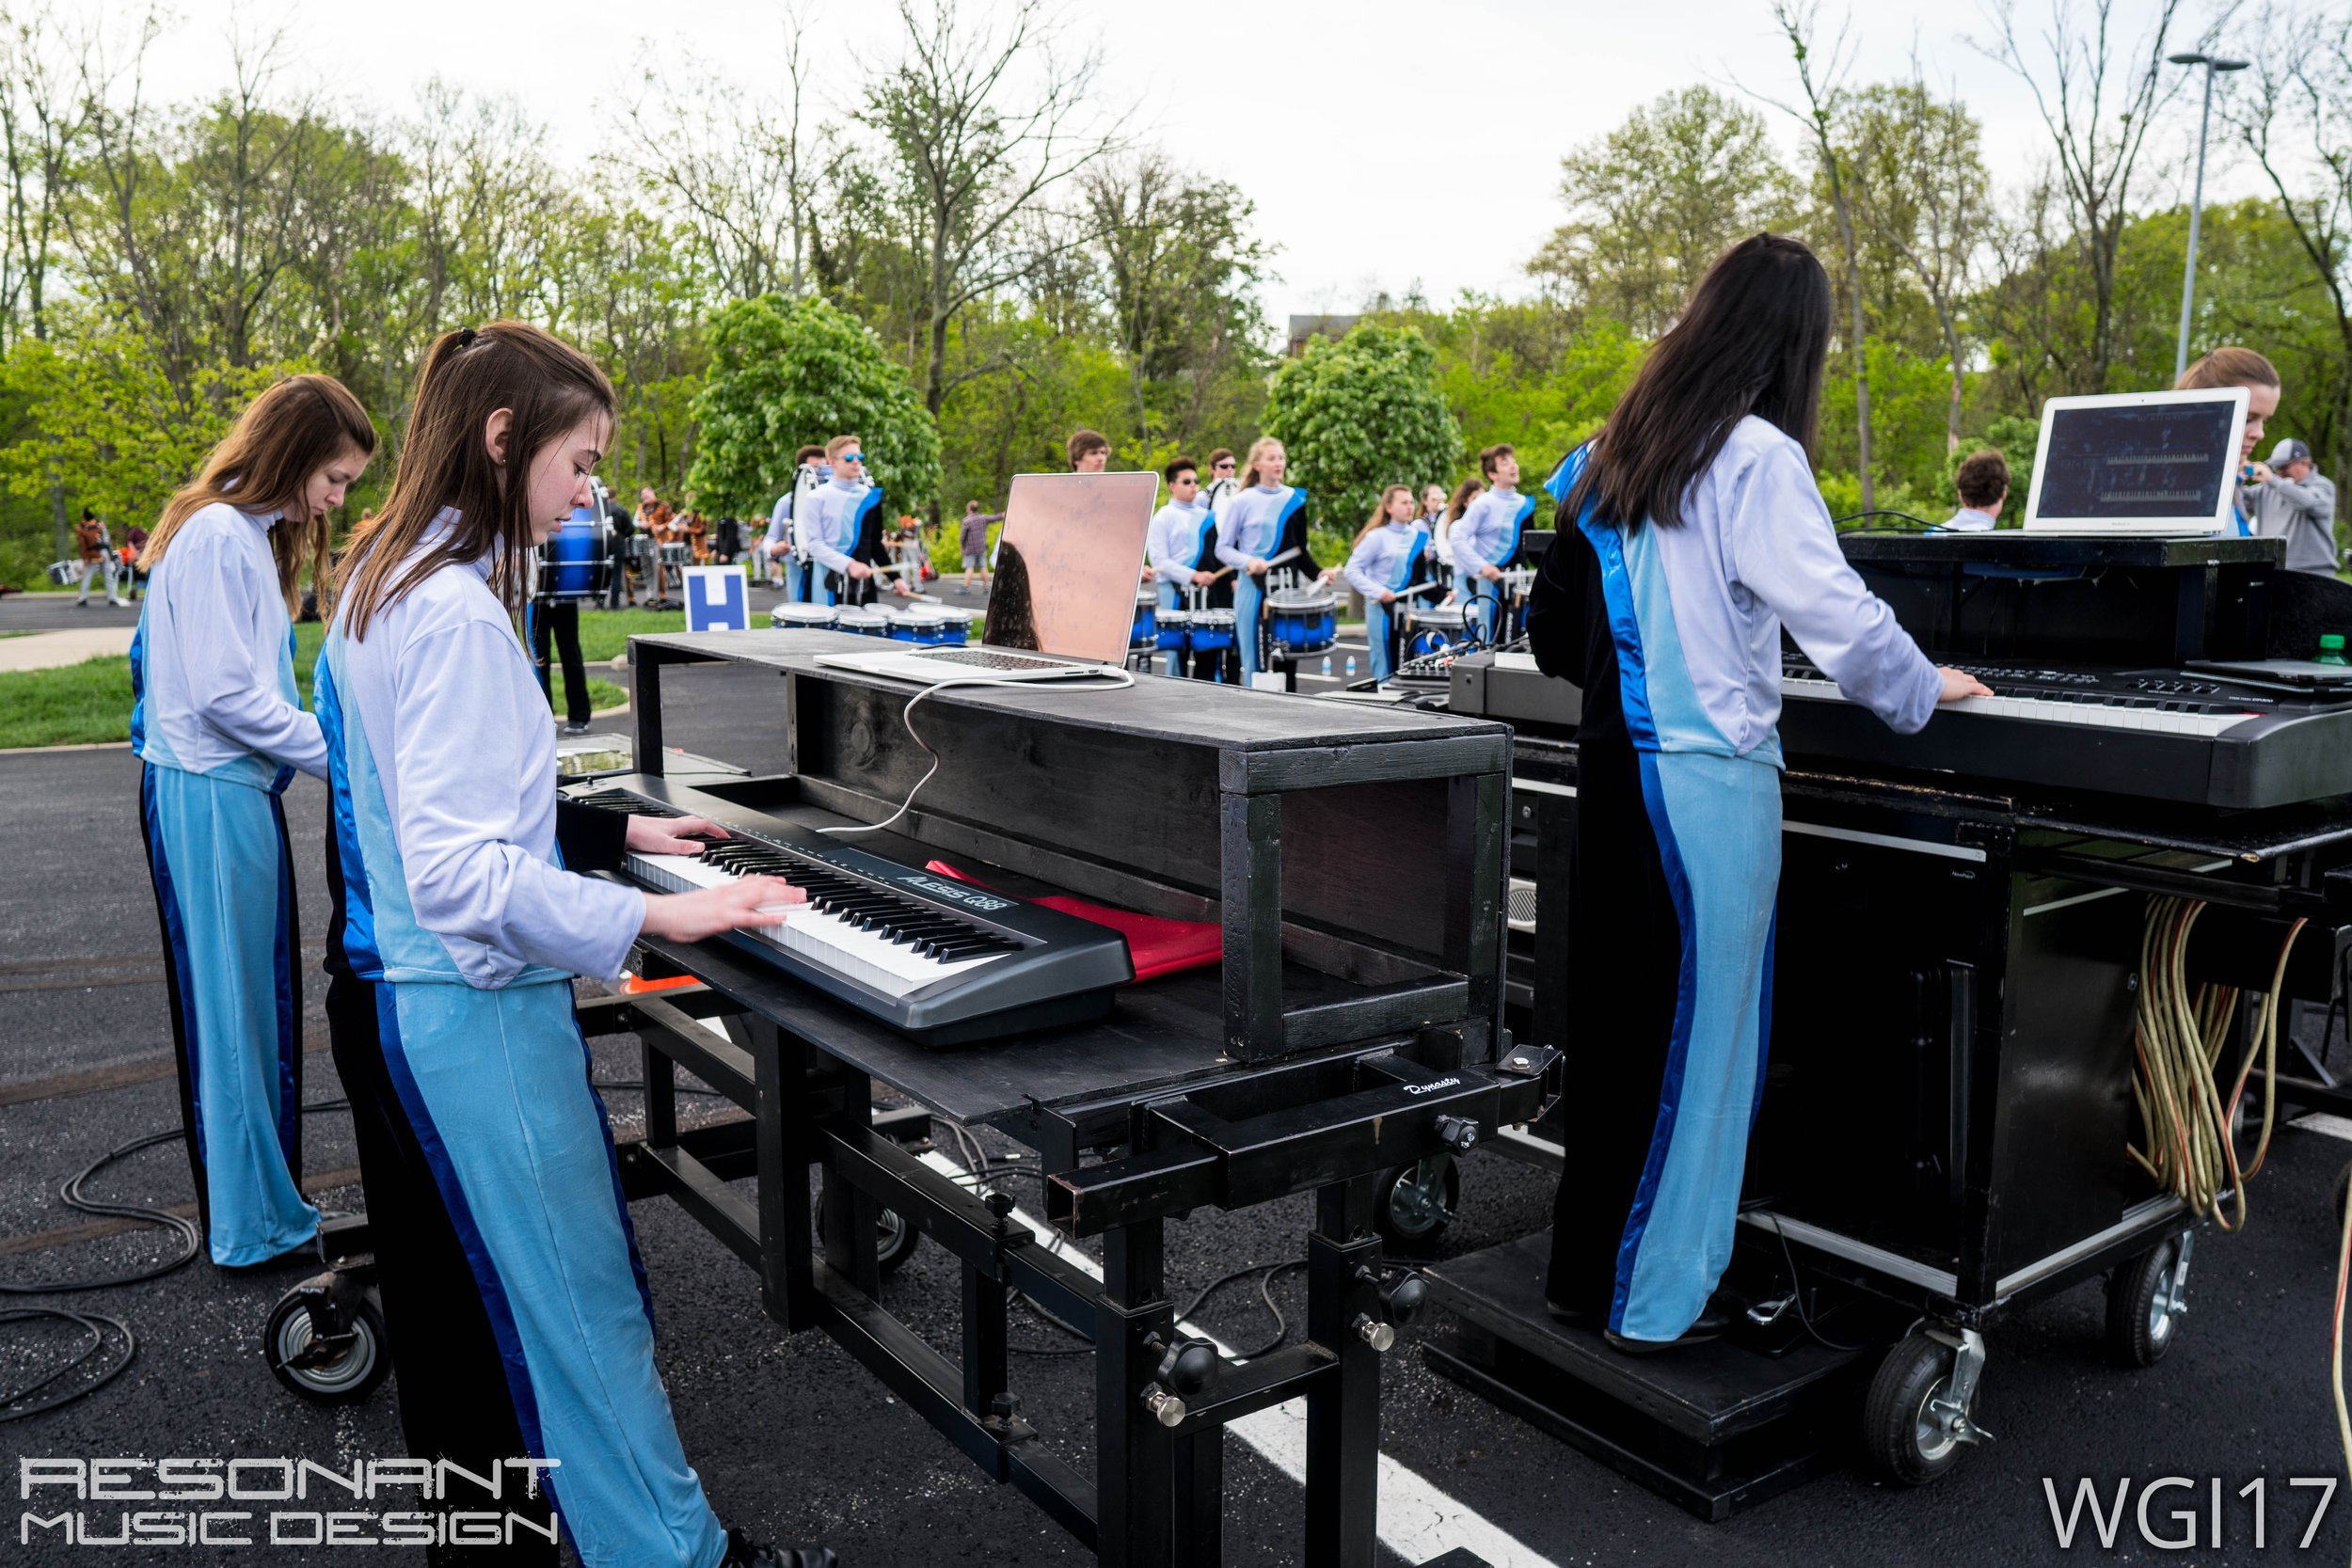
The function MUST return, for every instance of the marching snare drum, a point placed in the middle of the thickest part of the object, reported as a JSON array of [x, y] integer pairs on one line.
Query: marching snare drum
[[1432, 628], [805, 617], [1212, 631], [1302, 620], [925, 624], [1146, 631], [866, 623], [577, 563], [1173, 631], [958, 631]]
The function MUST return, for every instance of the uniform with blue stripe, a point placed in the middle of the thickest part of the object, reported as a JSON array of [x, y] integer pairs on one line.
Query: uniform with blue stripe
[[784, 522], [219, 723], [1674, 634], [1388, 559], [1181, 539], [834, 517], [1250, 528], [1487, 534], [459, 933]]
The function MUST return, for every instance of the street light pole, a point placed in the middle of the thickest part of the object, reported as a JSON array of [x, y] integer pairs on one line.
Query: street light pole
[[2197, 198]]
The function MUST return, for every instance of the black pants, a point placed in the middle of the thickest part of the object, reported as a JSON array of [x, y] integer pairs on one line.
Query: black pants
[[561, 620], [1627, 942], [454, 1400]]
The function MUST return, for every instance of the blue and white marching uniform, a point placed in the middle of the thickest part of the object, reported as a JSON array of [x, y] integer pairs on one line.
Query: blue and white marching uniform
[[1487, 534], [1248, 528], [1388, 559], [1674, 635], [831, 518], [220, 724], [1182, 535], [504, 1245], [790, 508]]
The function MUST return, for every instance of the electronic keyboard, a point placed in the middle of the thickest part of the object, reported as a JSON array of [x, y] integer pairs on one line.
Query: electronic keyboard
[[2157, 732], [941, 961]]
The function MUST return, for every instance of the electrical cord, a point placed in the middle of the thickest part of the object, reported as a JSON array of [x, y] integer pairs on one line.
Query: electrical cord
[[906, 716], [2177, 1038], [1883, 512], [12, 1406]]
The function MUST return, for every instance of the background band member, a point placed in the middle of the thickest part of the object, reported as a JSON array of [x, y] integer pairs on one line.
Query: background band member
[[1247, 532], [1982, 481], [1441, 533], [2240, 367], [2291, 499], [98, 559], [1387, 557], [843, 523], [1486, 539], [1183, 532], [782, 546], [1090, 453], [1692, 534], [221, 731], [1221, 484], [518, 1315]]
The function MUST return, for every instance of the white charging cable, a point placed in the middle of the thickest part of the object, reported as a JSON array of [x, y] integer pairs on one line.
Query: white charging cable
[[1119, 678]]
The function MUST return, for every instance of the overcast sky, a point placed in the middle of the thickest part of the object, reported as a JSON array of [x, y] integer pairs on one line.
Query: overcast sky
[[1384, 143]]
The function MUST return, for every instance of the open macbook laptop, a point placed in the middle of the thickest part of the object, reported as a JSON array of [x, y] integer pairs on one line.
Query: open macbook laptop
[[2139, 463], [1062, 600]]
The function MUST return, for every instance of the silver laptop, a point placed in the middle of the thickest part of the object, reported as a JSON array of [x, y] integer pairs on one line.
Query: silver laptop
[[2139, 463], [1062, 599]]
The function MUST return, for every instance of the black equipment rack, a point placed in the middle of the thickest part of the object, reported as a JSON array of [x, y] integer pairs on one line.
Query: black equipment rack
[[1337, 1042], [1943, 1128]]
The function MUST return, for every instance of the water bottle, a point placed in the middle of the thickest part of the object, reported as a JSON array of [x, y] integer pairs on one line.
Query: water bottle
[[2330, 650], [1351, 666], [1326, 666]]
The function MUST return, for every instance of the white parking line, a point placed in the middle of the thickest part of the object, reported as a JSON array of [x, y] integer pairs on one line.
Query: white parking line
[[1417, 1521], [2320, 1122]]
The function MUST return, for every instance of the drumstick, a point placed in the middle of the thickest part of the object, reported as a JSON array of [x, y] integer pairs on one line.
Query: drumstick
[[1274, 561], [1416, 591]]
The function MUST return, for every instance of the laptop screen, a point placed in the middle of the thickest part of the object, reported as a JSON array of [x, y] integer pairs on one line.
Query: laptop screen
[[1069, 564], [2138, 462]]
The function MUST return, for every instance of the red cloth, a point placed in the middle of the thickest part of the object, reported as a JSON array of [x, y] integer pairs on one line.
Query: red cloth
[[1156, 946]]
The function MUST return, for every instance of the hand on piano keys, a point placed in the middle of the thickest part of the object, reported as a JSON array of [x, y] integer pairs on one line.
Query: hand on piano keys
[[671, 835], [1959, 684], [739, 903]]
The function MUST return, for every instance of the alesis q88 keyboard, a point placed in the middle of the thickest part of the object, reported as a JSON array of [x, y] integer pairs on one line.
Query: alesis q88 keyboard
[[941, 961]]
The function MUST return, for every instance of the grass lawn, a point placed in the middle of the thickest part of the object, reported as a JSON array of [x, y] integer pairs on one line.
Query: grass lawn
[[90, 703]]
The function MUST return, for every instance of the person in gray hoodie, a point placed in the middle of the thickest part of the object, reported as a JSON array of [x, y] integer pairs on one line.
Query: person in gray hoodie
[[2293, 500]]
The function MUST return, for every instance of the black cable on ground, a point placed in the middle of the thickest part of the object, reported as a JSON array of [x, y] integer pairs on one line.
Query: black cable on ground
[[12, 1406]]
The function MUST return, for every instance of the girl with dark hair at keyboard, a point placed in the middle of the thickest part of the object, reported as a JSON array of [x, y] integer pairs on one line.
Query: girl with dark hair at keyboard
[[220, 732], [521, 1323], [1691, 535]]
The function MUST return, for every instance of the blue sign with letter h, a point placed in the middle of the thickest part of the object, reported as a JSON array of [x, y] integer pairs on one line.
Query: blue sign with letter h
[[715, 599]]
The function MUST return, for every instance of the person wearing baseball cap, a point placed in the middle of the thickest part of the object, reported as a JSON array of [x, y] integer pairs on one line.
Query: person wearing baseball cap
[[2290, 500]]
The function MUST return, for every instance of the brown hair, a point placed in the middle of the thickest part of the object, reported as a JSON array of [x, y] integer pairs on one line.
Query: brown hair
[[1494, 455], [1218, 456], [1257, 450], [839, 444], [548, 387], [266, 464], [1458, 503], [1380, 512], [1982, 479], [2227, 366], [1083, 441], [805, 453]]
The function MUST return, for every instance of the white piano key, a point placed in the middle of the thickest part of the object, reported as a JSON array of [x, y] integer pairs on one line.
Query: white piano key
[[2111, 715]]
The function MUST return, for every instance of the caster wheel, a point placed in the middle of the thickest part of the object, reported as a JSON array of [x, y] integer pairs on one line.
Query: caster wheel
[[1416, 1202], [2146, 1297], [1909, 1432], [895, 1239], [311, 1354]]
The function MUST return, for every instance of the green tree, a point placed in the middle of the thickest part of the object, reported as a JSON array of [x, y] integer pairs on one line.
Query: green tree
[[784, 372], [1362, 414], [1655, 201]]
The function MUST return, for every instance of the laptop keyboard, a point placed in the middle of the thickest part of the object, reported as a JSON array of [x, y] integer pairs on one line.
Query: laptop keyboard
[[989, 659]]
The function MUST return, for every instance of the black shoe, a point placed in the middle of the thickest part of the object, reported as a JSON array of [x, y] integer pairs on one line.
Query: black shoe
[[576, 726], [1575, 1317], [1714, 1322], [744, 1552]]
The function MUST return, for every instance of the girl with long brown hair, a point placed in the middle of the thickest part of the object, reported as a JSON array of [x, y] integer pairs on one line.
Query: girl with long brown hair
[[1691, 535], [513, 1294], [219, 725], [1386, 558]]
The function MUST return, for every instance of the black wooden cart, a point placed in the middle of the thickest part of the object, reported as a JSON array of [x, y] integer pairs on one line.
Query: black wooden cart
[[1343, 1035]]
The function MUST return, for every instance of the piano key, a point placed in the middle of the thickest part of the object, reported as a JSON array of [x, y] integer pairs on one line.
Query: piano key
[[2107, 713]]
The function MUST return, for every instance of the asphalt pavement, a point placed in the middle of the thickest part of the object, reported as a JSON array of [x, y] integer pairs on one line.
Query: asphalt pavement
[[795, 1441]]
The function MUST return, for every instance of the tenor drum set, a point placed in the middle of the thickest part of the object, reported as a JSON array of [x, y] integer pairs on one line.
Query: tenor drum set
[[928, 626], [576, 567]]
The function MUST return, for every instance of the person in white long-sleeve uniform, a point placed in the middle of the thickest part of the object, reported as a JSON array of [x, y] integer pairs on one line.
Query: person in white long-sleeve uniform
[[1691, 535], [1486, 539], [218, 725], [515, 1304], [1182, 534], [1388, 557]]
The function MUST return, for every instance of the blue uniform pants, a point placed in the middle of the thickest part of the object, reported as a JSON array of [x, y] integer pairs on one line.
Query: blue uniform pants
[[1172, 597], [1377, 631], [1249, 600], [217, 853]]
